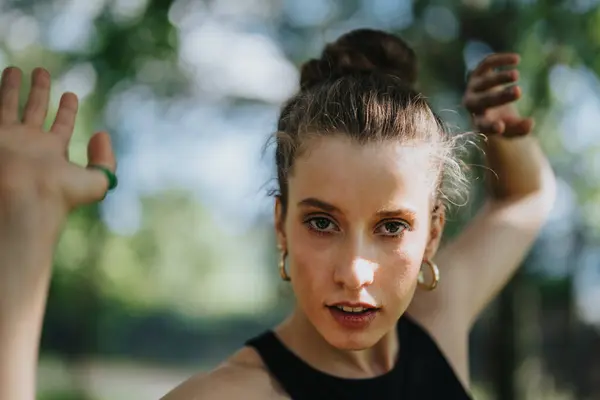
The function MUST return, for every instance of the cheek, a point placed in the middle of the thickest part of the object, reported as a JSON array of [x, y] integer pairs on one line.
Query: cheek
[[310, 261], [401, 264]]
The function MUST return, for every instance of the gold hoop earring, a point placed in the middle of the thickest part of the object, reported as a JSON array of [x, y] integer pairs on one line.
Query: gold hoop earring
[[435, 276], [282, 272]]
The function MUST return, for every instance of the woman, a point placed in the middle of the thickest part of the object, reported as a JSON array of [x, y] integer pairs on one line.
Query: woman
[[365, 170]]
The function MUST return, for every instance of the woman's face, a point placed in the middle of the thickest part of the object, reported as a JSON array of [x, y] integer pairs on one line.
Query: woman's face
[[357, 227]]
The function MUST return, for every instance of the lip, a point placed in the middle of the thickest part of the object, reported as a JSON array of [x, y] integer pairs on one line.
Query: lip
[[348, 321], [354, 305]]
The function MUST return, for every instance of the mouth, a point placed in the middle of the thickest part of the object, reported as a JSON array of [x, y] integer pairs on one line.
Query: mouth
[[354, 309], [353, 316]]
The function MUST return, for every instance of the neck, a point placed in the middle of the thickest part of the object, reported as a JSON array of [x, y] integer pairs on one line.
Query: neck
[[301, 337]]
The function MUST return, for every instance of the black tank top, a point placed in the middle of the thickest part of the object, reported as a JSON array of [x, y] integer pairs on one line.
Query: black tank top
[[421, 372]]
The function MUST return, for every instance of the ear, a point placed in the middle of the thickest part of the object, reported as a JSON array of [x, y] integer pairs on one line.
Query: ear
[[280, 224], [436, 228]]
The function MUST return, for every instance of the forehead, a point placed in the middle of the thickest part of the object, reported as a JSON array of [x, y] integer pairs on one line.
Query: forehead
[[338, 170]]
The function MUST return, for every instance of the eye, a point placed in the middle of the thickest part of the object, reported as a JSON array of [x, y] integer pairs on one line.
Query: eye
[[392, 228], [321, 224]]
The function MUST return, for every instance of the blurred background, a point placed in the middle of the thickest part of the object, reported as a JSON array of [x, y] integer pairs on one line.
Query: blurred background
[[177, 267]]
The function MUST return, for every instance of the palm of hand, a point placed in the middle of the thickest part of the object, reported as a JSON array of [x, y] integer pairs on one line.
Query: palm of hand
[[34, 164]]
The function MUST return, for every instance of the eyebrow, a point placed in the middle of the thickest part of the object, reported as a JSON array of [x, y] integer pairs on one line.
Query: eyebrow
[[313, 202], [405, 212]]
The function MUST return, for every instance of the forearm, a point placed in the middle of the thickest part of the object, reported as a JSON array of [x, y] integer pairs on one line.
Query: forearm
[[18, 359], [518, 168], [23, 290]]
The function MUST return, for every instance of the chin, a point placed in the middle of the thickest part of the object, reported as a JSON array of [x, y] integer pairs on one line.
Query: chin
[[352, 342], [343, 339]]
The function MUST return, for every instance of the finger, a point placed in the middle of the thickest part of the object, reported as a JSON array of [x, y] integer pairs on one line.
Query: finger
[[37, 102], [488, 126], [9, 95], [65, 116], [478, 103], [518, 128], [85, 185], [496, 61], [486, 82]]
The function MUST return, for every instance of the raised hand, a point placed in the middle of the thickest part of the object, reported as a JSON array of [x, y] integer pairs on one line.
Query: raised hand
[[38, 185], [490, 95], [38, 188]]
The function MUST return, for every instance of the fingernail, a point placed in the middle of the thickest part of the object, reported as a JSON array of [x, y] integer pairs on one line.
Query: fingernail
[[8, 71]]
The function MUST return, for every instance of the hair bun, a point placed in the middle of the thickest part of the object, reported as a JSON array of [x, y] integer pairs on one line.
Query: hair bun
[[362, 50]]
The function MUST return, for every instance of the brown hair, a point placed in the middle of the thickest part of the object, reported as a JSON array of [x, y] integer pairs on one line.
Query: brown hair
[[362, 86]]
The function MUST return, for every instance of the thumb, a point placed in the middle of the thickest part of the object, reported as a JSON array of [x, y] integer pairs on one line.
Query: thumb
[[100, 151], [88, 185], [489, 126], [519, 127]]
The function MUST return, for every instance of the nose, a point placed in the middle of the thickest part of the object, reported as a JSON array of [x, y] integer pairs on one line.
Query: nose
[[356, 274]]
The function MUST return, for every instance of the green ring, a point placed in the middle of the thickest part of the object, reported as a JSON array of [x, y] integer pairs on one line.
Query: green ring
[[112, 178]]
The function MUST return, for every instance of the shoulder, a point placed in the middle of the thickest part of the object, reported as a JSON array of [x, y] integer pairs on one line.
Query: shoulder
[[243, 375]]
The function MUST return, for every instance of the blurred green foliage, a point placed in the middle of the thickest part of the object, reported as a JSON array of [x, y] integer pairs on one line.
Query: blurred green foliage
[[106, 294]]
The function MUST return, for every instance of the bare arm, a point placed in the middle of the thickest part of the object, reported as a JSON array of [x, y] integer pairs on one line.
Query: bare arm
[[478, 263], [21, 316], [38, 187], [493, 245]]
